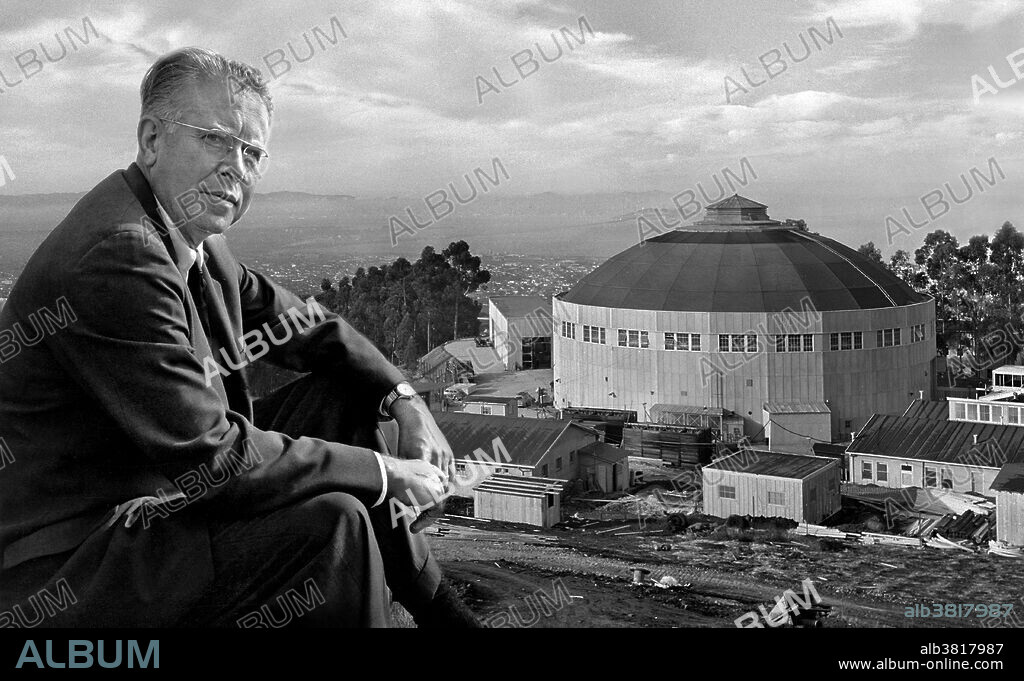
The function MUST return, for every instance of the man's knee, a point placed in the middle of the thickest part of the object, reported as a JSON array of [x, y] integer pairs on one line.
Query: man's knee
[[325, 514]]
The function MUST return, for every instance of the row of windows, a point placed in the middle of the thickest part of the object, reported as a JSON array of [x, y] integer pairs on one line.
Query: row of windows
[[737, 342], [794, 342], [846, 340], [633, 338], [741, 342], [729, 492], [593, 334], [986, 413], [886, 338], [879, 472], [682, 341], [1009, 380]]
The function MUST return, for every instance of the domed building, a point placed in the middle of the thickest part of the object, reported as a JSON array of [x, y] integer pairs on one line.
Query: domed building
[[741, 313]]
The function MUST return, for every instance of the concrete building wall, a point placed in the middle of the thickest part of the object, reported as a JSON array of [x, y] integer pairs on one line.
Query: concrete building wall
[[855, 383], [1010, 518], [911, 473]]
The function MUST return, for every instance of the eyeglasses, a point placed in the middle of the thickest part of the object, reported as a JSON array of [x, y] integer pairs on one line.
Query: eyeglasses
[[221, 144]]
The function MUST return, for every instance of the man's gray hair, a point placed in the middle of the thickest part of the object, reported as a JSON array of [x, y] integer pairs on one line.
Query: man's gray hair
[[170, 74]]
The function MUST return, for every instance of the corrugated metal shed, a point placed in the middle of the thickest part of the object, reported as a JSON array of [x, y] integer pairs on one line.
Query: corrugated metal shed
[[527, 440], [934, 439], [1010, 479], [797, 408], [761, 462]]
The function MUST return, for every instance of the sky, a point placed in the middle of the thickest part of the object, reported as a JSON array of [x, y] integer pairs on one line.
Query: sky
[[865, 106]]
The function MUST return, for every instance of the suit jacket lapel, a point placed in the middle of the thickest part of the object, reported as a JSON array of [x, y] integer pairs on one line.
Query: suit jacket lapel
[[233, 389]]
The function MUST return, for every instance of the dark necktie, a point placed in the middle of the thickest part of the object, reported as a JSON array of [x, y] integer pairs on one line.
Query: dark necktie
[[197, 286]]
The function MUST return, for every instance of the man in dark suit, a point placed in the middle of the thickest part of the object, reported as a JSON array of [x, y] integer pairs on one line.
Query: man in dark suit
[[146, 488]]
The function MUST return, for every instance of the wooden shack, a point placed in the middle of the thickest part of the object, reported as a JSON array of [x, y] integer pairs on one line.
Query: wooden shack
[[529, 501], [772, 484]]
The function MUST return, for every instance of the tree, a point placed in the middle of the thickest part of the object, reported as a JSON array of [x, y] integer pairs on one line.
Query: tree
[[1008, 258], [939, 260], [871, 252], [405, 307], [901, 265], [470, 276]]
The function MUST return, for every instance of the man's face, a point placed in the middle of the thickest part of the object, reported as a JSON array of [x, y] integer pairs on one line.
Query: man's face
[[204, 194]]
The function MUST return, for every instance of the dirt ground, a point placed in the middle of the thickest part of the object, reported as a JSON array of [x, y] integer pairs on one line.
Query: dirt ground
[[719, 580], [583, 577]]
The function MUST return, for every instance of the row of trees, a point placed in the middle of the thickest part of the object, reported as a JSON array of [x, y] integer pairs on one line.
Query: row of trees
[[408, 308], [976, 285]]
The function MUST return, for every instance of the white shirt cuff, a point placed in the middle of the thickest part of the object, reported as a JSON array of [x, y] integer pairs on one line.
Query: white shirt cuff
[[383, 481]]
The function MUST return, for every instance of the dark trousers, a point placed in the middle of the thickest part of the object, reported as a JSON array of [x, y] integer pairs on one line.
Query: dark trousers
[[327, 561]]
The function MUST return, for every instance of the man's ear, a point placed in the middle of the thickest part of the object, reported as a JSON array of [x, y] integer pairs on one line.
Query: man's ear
[[148, 134]]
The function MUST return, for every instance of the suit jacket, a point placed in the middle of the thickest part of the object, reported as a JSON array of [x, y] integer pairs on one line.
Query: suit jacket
[[104, 390]]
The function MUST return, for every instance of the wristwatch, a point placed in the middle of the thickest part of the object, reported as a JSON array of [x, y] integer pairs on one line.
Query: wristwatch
[[402, 391]]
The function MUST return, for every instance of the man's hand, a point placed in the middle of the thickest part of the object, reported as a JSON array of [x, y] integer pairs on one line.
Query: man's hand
[[419, 437], [414, 483]]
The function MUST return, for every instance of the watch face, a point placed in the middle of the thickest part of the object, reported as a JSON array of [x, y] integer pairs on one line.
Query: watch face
[[405, 390]]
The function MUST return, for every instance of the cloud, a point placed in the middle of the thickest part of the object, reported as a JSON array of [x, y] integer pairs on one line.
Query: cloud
[[906, 17]]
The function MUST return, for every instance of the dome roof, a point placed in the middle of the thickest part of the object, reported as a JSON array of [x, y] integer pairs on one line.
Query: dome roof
[[741, 270]]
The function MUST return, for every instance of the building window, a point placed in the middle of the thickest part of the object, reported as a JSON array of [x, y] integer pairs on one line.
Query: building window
[[958, 410], [558, 464], [633, 338], [931, 478], [882, 472], [682, 341], [1013, 415], [907, 473], [569, 330], [846, 340], [1009, 380], [886, 338], [983, 412], [917, 333], [593, 334], [726, 492], [572, 456], [972, 412], [947, 478], [544, 471], [777, 498], [865, 470], [551, 501], [485, 409], [737, 342], [794, 342]]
